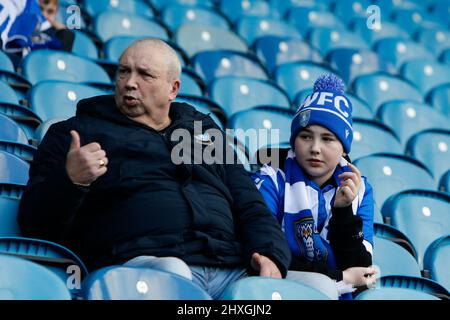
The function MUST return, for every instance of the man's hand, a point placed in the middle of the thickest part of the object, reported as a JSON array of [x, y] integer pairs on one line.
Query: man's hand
[[360, 276], [265, 266], [349, 188], [85, 164]]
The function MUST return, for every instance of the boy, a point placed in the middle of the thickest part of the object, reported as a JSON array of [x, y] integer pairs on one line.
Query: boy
[[320, 199]]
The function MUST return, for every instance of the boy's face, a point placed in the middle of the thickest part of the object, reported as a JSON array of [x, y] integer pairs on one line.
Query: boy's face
[[318, 152], [49, 9]]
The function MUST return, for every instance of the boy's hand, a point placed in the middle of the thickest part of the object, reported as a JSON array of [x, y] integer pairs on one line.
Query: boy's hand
[[349, 188]]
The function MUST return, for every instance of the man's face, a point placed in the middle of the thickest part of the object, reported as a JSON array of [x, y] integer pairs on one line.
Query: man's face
[[49, 10], [143, 85]]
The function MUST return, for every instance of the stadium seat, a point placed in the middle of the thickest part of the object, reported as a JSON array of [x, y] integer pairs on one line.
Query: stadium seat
[[195, 38], [294, 77], [273, 51], [439, 98], [219, 63], [236, 94], [175, 15], [56, 258], [392, 234], [160, 4], [389, 174], [421, 215], [43, 65], [236, 9], [191, 83], [246, 126], [10, 195], [10, 131], [252, 28], [25, 152], [434, 39], [414, 19], [281, 8], [6, 63], [426, 74], [351, 63], [406, 118], [376, 89], [445, 56], [414, 283], [326, 39], [432, 148], [436, 260], [371, 137], [126, 283], [206, 106], [392, 259], [440, 10], [444, 183], [346, 11], [95, 7], [109, 24], [7, 94], [65, 96], [242, 156], [261, 288], [25, 280], [84, 46], [383, 31], [42, 130], [394, 294]]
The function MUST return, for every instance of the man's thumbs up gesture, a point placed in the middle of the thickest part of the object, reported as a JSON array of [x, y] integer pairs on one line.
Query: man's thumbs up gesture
[[84, 164]]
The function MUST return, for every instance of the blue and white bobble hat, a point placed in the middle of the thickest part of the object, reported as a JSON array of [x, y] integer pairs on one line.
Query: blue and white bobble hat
[[326, 106]]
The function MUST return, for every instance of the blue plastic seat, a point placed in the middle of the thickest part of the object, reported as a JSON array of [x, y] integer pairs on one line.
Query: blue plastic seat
[[43, 128], [13, 170], [371, 137], [414, 19], [252, 28], [444, 182], [294, 77], [273, 51], [434, 39], [376, 89], [392, 259], [420, 284], [392, 234], [384, 31], [246, 125], [390, 174], [24, 151], [84, 46], [206, 106], [234, 10], [445, 56], [426, 74], [282, 7], [394, 294], [348, 10], [399, 51], [95, 7], [351, 63], [236, 94], [432, 148], [407, 118], [65, 96], [327, 39], [439, 98], [109, 24], [43, 65], [261, 288], [436, 260], [24, 280], [11, 131], [219, 63], [7, 94], [421, 215], [195, 38], [360, 109], [160, 4], [126, 283], [440, 10], [6, 63], [191, 83], [175, 15], [10, 195]]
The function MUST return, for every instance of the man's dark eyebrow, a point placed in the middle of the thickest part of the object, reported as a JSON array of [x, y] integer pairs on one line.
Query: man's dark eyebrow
[[307, 130]]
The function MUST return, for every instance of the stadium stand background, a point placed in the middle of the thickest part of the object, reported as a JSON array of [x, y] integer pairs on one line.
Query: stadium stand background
[[250, 63]]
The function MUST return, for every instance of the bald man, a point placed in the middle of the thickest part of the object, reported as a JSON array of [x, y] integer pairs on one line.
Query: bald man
[[105, 183]]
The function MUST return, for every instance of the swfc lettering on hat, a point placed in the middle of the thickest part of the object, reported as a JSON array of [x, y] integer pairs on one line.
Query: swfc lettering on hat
[[327, 106]]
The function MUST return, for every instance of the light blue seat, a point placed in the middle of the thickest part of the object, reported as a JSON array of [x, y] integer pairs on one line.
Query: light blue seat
[[421, 215], [371, 137], [392, 234], [126, 283], [175, 15], [219, 63], [439, 98], [206, 106], [252, 28], [23, 151], [236, 94], [384, 31], [282, 7], [11, 131], [376, 89], [351, 63], [436, 261], [445, 56], [241, 154], [236, 9], [394, 294], [390, 174], [25, 280], [294, 77], [399, 51], [6, 63], [43, 128], [432, 148], [10, 195], [420, 284], [273, 51], [407, 118], [95, 7], [444, 183], [414, 19], [426, 74], [65, 96], [160, 4], [195, 38], [435, 39], [261, 288], [191, 83], [7, 94], [84, 46], [392, 259], [109, 24], [327, 39], [348, 10], [440, 10], [43, 65]]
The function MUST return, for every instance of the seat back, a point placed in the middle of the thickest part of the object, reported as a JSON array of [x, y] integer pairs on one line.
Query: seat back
[[394, 294], [436, 260], [13, 170]]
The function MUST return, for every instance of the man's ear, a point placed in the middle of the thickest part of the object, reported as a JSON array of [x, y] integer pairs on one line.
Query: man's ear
[[174, 89]]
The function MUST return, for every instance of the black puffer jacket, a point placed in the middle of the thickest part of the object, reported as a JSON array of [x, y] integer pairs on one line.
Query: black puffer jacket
[[145, 204]]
